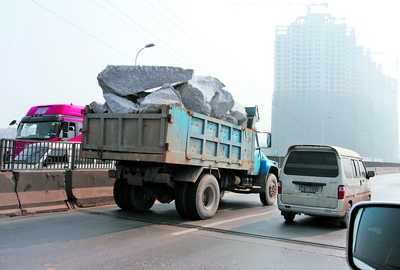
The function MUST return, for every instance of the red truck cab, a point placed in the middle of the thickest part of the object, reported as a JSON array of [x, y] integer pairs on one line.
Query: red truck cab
[[56, 122]]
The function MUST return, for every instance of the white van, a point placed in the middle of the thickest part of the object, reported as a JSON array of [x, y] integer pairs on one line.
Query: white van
[[322, 180]]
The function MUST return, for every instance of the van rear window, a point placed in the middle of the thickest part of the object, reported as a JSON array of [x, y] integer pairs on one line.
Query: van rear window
[[308, 163]]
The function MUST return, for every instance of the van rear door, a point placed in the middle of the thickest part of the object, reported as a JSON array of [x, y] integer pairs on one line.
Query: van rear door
[[311, 178]]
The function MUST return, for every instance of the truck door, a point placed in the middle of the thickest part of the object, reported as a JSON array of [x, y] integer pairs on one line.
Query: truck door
[[257, 156]]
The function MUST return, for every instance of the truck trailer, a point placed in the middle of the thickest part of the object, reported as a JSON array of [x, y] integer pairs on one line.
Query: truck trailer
[[179, 155]]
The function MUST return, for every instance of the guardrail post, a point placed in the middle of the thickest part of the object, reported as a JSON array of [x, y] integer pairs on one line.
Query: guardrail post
[[73, 157], [2, 154]]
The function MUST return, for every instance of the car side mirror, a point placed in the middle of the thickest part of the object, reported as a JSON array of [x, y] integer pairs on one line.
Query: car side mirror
[[373, 236]]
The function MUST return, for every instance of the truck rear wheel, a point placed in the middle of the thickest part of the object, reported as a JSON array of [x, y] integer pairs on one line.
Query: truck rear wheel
[[271, 189], [203, 197], [181, 190], [120, 194], [139, 199]]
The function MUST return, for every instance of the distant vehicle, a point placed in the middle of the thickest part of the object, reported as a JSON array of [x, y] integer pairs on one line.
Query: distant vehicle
[[54, 122], [180, 155], [373, 236], [42, 155], [322, 180]]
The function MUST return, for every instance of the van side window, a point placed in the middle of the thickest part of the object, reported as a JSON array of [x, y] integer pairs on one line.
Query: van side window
[[356, 169], [310, 163], [362, 169], [347, 167]]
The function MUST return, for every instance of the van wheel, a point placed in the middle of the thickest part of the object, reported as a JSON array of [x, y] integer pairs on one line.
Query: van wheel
[[344, 221], [271, 188], [289, 217]]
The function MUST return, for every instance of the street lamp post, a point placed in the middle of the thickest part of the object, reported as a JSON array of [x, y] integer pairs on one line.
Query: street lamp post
[[147, 46]]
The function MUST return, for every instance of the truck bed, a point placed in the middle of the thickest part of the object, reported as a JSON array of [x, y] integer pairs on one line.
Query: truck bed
[[174, 136]]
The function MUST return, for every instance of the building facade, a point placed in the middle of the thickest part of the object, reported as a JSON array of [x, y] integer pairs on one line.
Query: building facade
[[327, 90]]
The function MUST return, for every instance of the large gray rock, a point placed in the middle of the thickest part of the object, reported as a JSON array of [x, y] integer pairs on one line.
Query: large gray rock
[[193, 98], [198, 92], [221, 103], [207, 85], [131, 80], [98, 107], [229, 118], [132, 89], [164, 96], [119, 104], [239, 112]]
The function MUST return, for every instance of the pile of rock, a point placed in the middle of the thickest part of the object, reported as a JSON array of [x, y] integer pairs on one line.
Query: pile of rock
[[144, 89]]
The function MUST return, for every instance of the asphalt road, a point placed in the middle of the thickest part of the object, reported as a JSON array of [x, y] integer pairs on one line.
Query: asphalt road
[[242, 235]]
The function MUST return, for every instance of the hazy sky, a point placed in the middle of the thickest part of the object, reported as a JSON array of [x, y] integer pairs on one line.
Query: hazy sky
[[51, 51]]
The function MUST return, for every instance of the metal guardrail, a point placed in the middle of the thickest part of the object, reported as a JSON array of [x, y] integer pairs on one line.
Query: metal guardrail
[[46, 155]]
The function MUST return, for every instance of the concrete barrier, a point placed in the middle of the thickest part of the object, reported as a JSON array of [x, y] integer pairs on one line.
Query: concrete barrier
[[384, 170], [89, 188], [41, 191], [9, 204]]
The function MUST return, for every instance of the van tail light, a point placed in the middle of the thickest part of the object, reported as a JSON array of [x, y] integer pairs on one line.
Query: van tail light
[[341, 192], [279, 187]]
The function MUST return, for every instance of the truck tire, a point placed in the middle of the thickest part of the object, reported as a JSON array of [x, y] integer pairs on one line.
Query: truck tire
[[181, 190], [203, 197], [271, 189], [139, 199], [120, 194]]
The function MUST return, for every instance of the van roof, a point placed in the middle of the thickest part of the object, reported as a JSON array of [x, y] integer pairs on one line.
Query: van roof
[[339, 150]]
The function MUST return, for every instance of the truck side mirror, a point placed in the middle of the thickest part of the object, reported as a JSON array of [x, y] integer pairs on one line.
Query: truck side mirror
[[373, 236], [269, 140]]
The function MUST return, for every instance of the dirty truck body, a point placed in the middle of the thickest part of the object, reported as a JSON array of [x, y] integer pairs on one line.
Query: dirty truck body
[[179, 155]]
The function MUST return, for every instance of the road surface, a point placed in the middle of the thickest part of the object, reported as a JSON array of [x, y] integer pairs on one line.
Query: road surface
[[242, 235]]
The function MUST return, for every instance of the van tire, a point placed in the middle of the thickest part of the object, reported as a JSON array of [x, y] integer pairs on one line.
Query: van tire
[[344, 221], [289, 217], [271, 189]]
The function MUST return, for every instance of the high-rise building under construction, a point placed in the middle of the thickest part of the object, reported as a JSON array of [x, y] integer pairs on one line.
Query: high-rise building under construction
[[328, 90]]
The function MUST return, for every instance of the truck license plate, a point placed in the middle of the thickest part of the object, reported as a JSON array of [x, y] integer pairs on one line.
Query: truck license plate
[[308, 189]]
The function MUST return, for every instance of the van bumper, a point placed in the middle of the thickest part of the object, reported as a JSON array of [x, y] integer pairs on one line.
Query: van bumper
[[311, 211]]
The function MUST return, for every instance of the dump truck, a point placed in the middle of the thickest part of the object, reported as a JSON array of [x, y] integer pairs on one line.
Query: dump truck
[[179, 155]]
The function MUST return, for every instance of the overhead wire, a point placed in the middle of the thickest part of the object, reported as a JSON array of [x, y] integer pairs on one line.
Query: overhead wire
[[223, 60], [201, 40], [115, 49], [79, 28], [129, 26]]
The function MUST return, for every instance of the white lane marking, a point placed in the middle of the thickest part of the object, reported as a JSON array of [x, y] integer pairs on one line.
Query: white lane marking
[[222, 222], [182, 232]]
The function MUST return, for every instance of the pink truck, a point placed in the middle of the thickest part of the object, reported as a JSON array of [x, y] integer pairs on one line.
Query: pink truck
[[54, 122]]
